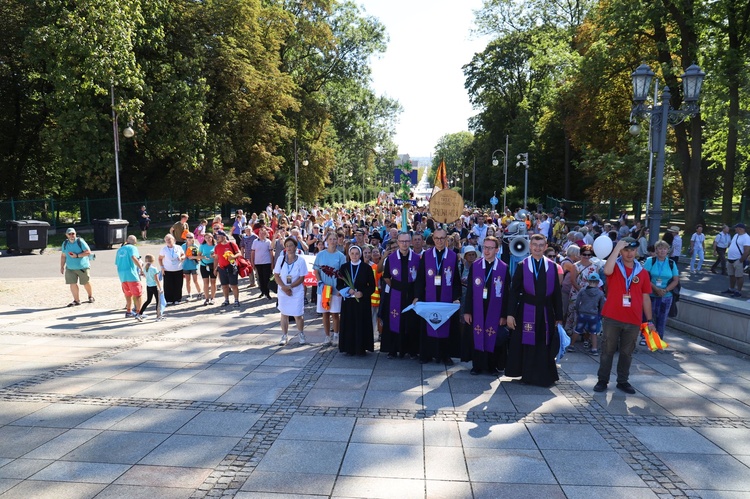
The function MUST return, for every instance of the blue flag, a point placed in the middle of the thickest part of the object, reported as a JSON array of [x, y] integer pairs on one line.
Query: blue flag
[[435, 313]]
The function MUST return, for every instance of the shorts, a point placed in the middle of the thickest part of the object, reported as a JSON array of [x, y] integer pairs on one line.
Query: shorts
[[74, 276], [189, 272], [133, 288], [335, 304], [207, 271], [735, 268], [588, 323], [228, 275]]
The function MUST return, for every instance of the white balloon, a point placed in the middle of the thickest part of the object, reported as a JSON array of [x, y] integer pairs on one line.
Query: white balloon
[[603, 246]]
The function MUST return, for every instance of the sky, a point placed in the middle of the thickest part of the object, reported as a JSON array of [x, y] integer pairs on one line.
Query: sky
[[430, 41]]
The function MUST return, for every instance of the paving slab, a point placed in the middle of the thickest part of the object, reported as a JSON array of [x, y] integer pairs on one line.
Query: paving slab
[[384, 460], [305, 456]]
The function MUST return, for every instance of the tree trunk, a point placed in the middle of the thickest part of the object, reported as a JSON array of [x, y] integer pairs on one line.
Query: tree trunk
[[566, 191]]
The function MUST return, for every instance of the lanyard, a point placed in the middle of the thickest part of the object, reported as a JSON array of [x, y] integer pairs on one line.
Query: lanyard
[[439, 261], [489, 272], [628, 280], [661, 266], [536, 268], [351, 273], [289, 266]]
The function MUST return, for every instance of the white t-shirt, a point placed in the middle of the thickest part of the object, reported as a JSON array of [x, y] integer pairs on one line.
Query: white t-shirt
[[738, 241], [171, 261], [697, 240]]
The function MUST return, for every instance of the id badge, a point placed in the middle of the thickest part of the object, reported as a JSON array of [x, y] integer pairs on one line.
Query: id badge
[[438, 280], [485, 293], [658, 283], [387, 288], [288, 280], [626, 300]]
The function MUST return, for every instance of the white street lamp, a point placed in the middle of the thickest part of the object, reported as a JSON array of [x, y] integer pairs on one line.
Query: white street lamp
[[128, 133]]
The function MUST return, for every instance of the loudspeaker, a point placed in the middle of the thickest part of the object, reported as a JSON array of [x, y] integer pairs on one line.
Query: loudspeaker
[[519, 247]]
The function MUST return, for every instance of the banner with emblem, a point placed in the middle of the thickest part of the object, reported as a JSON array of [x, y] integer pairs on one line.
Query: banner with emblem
[[435, 313]]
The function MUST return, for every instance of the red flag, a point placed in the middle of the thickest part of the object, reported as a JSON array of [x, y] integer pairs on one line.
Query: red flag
[[441, 178]]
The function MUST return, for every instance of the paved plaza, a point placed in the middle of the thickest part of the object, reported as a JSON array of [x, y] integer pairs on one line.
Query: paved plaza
[[206, 404]]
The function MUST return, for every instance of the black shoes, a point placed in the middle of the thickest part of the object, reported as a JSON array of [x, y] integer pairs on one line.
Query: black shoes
[[474, 371], [626, 387], [600, 386]]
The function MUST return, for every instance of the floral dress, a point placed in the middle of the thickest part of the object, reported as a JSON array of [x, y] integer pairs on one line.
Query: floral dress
[[582, 281]]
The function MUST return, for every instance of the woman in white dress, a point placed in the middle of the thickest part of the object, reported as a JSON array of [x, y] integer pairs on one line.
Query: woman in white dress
[[289, 273]]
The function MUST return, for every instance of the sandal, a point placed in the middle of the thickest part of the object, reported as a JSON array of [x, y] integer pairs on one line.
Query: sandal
[[74, 303], [91, 299]]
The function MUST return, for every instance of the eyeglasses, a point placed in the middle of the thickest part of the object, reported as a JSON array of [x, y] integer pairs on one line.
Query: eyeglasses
[[586, 254], [405, 241], [71, 233], [489, 248], [439, 238], [189, 237]]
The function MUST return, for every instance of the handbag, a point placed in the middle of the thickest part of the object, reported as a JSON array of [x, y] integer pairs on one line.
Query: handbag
[[273, 285], [673, 309]]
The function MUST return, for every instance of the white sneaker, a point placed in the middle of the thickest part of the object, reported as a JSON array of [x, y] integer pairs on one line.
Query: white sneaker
[[301, 338], [283, 341], [327, 341], [335, 339], [144, 316], [159, 319], [139, 318]]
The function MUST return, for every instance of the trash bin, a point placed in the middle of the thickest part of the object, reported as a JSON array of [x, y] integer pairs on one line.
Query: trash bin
[[109, 231], [26, 235]]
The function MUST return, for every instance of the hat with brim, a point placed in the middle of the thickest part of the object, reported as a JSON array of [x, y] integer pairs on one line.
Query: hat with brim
[[221, 233], [737, 226], [469, 249], [632, 243], [71, 230], [674, 228]]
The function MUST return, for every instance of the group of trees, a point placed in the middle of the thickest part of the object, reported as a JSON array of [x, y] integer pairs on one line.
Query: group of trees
[[221, 95], [556, 79]]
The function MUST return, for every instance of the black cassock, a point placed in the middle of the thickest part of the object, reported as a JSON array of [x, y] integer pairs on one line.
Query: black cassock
[[356, 336], [535, 364], [406, 340]]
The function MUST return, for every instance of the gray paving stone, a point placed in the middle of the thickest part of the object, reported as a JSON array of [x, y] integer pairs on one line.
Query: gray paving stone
[[394, 399], [143, 492], [716, 472], [53, 490], [155, 420], [145, 373], [59, 446], [566, 437], [542, 403], [437, 401], [68, 471], [692, 406], [483, 490], [384, 431], [328, 429], [15, 441], [495, 436], [591, 468], [445, 463], [191, 451], [731, 440], [222, 424], [674, 440], [396, 383], [7, 483], [303, 457], [246, 393], [108, 417], [119, 447], [440, 489], [60, 415], [597, 492], [720, 494], [68, 385], [508, 466], [378, 488], [334, 398], [196, 391], [23, 468], [441, 433], [164, 476], [290, 482], [496, 401], [341, 381], [384, 460]]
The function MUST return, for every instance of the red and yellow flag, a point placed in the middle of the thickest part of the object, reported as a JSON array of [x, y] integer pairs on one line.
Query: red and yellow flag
[[653, 340], [441, 178], [326, 300]]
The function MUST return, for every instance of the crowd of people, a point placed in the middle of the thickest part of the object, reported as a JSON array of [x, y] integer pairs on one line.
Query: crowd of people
[[428, 291]]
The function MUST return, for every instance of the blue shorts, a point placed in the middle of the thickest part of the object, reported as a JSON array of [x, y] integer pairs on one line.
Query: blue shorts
[[588, 323]]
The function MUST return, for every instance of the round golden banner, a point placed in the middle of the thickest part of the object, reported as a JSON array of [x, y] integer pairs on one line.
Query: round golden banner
[[446, 206]]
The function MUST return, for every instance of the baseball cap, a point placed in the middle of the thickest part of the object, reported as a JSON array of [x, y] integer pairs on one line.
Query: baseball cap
[[632, 243], [71, 230], [469, 249], [736, 226], [674, 228], [221, 233], [594, 278], [473, 235]]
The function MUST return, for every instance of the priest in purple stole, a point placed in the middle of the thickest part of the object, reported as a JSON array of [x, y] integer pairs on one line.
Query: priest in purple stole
[[485, 309], [438, 280], [534, 310], [400, 330]]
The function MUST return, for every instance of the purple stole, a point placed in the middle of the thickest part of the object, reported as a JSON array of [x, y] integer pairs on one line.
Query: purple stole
[[485, 327], [394, 262], [448, 280], [528, 331]]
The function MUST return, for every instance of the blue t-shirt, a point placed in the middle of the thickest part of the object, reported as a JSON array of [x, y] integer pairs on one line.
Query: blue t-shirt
[[205, 250], [334, 260], [661, 273], [152, 274], [127, 270], [188, 263], [77, 247]]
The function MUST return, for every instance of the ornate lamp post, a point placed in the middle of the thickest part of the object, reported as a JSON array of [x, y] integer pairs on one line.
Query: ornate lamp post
[[495, 162], [524, 162], [127, 133], [660, 115]]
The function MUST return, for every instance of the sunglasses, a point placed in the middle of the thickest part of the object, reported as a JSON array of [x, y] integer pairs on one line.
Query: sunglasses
[[587, 254]]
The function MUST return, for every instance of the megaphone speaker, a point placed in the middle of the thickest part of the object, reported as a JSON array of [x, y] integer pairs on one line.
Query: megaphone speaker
[[519, 247]]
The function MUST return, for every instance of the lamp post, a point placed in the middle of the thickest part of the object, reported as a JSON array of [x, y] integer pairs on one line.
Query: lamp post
[[128, 133], [296, 175], [524, 161], [495, 162], [660, 115]]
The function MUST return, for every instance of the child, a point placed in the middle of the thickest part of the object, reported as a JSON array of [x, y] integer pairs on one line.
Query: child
[[248, 238], [153, 286], [190, 267], [200, 231], [589, 306]]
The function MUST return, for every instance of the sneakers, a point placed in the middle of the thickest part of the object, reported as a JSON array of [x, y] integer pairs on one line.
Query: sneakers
[[642, 343], [283, 340], [736, 294], [74, 303], [586, 345], [728, 292], [327, 341], [159, 319], [301, 338], [211, 301], [570, 349], [198, 296], [236, 304], [594, 352], [225, 304], [144, 316], [205, 302], [600, 386], [139, 317], [335, 339], [626, 387], [91, 299], [129, 314]]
